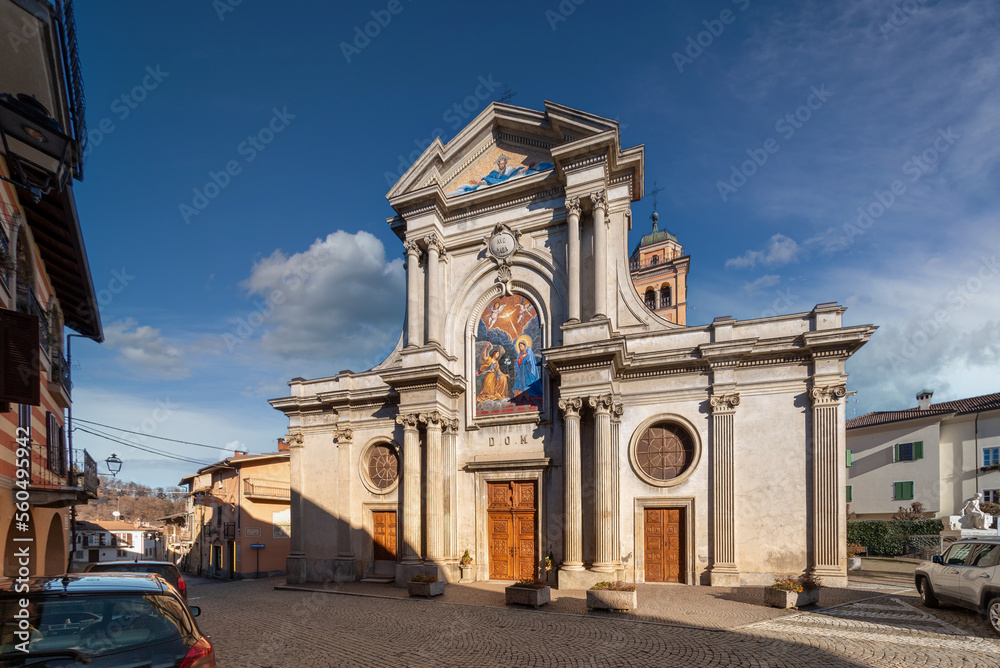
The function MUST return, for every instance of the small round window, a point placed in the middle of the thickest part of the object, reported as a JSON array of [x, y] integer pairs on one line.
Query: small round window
[[664, 453], [380, 468]]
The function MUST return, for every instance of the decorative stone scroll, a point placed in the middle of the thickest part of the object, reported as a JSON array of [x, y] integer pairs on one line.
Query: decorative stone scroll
[[343, 434], [724, 403], [599, 200], [829, 395], [500, 247]]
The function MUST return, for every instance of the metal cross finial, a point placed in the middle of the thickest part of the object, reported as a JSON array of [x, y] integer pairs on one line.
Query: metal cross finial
[[654, 192], [507, 94]]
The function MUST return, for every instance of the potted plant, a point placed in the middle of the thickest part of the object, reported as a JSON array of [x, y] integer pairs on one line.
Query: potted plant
[[615, 596], [424, 585], [465, 564], [528, 592], [792, 592], [550, 569], [854, 551]]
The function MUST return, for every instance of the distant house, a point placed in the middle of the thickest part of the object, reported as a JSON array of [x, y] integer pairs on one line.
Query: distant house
[[117, 540], [937, 454], [233, 505]]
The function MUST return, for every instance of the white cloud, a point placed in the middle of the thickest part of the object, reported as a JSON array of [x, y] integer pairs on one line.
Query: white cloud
[[144, 352], [766, 281], [779, 250], [340, 299]]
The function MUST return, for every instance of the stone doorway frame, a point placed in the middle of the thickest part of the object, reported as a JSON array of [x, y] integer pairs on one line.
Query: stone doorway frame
[[368, 510], [506, 471], [685, 504]]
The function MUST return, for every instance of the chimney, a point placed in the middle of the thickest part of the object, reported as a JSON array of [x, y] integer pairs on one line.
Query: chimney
[[924, 399], [283, 445], [239, 453]]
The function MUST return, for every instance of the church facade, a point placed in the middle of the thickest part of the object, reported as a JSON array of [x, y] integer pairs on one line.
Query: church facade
[[537, 415]]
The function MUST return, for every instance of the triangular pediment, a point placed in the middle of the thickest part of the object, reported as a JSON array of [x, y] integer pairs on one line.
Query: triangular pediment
[[502, 145]]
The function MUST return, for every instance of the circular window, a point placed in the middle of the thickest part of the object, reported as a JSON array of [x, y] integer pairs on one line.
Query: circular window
[[380, 468], [664, 452]]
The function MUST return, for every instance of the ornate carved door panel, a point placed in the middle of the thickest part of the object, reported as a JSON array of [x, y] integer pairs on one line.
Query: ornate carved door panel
[[512, 513], [664, 543], [384, 530]]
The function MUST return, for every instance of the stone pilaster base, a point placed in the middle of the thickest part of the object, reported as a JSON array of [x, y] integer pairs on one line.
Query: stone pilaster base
[[724, 578], [295, 569], [406, 571], [584, 579], [829, 577], [344, 569]]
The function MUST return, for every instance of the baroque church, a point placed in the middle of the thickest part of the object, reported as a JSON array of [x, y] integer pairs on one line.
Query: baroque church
[[548, 411]]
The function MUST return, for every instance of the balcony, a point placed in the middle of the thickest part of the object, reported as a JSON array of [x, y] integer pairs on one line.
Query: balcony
[[27, 302], [60, 375], [259, 489], [54, 485], [229, 531]]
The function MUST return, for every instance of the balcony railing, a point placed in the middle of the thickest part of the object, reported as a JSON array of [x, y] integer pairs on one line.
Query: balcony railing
[[6, 259], [269, 489], [84, 472], [229, 530], [28, 303], [60, 371]]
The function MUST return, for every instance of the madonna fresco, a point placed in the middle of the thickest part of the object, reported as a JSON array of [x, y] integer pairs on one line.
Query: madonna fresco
[[508, 343]]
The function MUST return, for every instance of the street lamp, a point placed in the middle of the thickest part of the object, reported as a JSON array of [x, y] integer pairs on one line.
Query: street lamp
[[30, 136], [114, 465]]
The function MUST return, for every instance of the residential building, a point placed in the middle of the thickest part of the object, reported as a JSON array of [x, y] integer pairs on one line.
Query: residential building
[[45, 284], [659, 272], [937, 454], [177, 537], [240, 516], [94, 543], [534, 405]]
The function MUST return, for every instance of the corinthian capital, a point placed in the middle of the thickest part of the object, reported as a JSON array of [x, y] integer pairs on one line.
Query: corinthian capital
[[408, 420], [600, 200], [571, 406], [433, 419], [828, 395], [343, 434], [725, 403], [602, 404], [432, 241], [573, 206], [411, 248]]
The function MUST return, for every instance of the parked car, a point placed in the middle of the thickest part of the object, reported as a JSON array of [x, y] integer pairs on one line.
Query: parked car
[[101, 621], [967, 574], [167, 570]]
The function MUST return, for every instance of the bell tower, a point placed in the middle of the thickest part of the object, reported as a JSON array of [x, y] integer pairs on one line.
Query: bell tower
[[659, 268]]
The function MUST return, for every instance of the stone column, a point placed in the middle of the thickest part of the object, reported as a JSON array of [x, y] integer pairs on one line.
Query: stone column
[[601, 268], [435, 314], [572, 486], [573, 256], [616, 423], [295, 563], [435, 487], [724, 572], [344, 436], [411, 490], [604, 510], [827, 464], [414, 328], [450, 469]]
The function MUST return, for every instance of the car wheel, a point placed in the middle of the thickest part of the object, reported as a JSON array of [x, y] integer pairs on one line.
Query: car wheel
[[993, 614], [927, 596]]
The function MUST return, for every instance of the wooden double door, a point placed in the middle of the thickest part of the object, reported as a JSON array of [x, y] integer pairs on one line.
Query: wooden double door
[[384, 539], [664, 543], [513, 509]]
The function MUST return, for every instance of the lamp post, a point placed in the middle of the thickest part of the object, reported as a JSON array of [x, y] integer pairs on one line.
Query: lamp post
[[114, 465]]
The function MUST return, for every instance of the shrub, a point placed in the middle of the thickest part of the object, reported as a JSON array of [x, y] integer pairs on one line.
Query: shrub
[[466, 559], [991, 508], [528, 583], [613, 586], [854, 549], [914, 512], [798, 585], [421, 577], [888, 538]]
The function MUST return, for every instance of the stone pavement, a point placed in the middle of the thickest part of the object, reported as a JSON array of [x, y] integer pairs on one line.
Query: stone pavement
[[877, 622]]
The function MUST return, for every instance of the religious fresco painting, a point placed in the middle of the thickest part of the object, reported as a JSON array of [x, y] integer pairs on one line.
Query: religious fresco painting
[[496, 166], [508, 357]]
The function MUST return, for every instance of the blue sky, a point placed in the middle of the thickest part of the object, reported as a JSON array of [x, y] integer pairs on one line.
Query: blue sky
[[809, 152]]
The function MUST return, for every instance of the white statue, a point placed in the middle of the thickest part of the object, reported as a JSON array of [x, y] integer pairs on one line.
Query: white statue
[[973, 517]]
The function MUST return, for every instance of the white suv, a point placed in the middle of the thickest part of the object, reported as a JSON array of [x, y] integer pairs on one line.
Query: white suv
[[967, 574]]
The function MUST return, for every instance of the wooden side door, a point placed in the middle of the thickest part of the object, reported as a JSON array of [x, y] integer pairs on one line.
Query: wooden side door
[[526, 559], [512, 513], [501, 545], [384, 535], [663, 538]]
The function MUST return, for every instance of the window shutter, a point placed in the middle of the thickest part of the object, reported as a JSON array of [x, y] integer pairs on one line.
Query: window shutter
[[918, 450], [19, 363], [850, 493], [895, 452], [850, 458], [897, 490], [909, 490]]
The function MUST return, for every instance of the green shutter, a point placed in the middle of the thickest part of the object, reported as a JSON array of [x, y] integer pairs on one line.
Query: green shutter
[[850, 457], [909, 490], [918, 450], [850, 493], [902, 491], [895, 452]]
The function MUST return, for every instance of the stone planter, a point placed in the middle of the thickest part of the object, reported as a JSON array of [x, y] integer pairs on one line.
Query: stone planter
[[779, 598], [425, 588], [528, 596], [467, 573], [618, 601], [854, 563]]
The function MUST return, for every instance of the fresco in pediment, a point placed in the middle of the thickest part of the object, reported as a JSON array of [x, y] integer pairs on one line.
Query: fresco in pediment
[[498, 165], [508, 352]]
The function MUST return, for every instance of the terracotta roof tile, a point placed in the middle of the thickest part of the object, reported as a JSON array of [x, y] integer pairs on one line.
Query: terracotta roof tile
[[986, 402]]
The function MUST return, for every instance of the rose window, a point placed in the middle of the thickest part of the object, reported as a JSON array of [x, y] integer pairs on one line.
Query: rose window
[[383, 466], [664, 451]]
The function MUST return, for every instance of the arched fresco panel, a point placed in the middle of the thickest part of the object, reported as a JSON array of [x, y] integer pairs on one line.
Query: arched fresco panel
[[508, 352]]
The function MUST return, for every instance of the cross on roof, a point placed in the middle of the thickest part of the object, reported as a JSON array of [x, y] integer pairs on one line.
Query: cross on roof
[[654, 192], [507, 94]]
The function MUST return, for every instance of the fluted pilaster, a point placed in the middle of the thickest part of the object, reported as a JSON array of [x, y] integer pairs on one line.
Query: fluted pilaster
[[604, 560], [414, 328], [435, 486], [450, 469], [296, 472], [827, 464], [344, 437], [724, 571], [435, 315], [600, 202], [573, 256], [572, 486], [412, 536]]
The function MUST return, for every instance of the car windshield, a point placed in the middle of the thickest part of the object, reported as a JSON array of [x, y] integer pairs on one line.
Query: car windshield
[[159, 569], [90, 625]]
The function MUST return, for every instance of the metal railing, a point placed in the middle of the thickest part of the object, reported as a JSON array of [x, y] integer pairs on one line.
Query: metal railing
[[27, 302], [74, 80], [60, 371], [272, 489], [84, 472], [6, 259]]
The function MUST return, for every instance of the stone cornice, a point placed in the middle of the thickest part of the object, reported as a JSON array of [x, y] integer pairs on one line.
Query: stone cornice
[[434, 375]]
